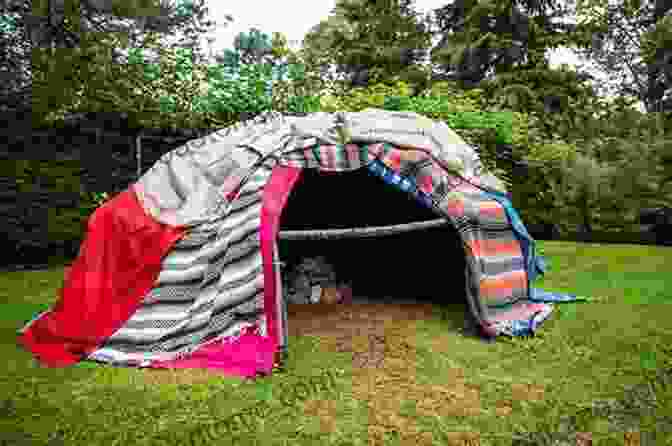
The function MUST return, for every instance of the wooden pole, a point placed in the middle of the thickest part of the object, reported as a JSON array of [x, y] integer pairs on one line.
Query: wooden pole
[[373, 231], [138, 155]]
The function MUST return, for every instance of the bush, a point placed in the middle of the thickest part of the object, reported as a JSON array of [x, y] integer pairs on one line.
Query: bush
[[48, 211], [358, 99], [487, 131]]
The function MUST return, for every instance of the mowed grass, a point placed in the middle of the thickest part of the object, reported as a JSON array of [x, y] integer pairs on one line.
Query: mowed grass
[[599, 368]]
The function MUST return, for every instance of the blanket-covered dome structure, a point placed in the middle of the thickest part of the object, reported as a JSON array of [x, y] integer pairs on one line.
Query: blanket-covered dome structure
[[182, 268]]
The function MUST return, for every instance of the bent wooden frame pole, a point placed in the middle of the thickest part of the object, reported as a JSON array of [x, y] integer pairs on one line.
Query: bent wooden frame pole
[[373, 231]]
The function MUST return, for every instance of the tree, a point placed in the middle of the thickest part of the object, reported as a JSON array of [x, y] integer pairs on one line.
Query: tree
[[480, 38], [258, 57], [15, 69], [629, 40], [196, 24], [316, 52], [254, 47], [297, 86], [91, 86], [369, 39], [46, 25], [249, 48], [500, 47], [657, 55], [564, 102], [279, 47]]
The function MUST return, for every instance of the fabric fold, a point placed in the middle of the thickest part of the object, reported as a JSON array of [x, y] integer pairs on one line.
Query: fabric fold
[[117, 265], [246, 355]]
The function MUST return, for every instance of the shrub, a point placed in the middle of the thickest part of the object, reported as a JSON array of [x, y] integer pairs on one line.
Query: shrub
[[358, 99]]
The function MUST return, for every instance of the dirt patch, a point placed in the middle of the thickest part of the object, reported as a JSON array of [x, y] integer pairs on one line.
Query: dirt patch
[[365, 330], [527, 392], [338, 319], [325, 410], [381, 340]]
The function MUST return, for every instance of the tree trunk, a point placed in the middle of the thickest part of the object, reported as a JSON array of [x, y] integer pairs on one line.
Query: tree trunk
[[587, 226]]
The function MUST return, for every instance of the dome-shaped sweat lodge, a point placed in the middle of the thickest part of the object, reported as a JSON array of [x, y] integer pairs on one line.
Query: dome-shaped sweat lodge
[[183, 269]]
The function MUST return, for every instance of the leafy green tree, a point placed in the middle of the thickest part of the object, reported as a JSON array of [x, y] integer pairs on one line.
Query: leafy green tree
[[564, 101], [500, 47], [481, 38], [317, 54], [628, 40], [296, 86], [576, 148], [656, 50], [15, 69], [169, 88], [254, 47], [88, 79], [282, 70], [372, 40]]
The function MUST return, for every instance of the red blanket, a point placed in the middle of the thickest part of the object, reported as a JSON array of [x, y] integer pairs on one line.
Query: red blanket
[[118, 263]]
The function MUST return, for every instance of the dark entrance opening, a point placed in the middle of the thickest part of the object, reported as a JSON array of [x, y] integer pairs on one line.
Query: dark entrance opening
[[424, 266]]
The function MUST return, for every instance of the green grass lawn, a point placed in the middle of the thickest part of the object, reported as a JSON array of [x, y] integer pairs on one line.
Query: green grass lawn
[[596, 366]]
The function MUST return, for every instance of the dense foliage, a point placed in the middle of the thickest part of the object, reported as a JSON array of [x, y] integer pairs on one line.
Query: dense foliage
[[567, 154], [630, 42]]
